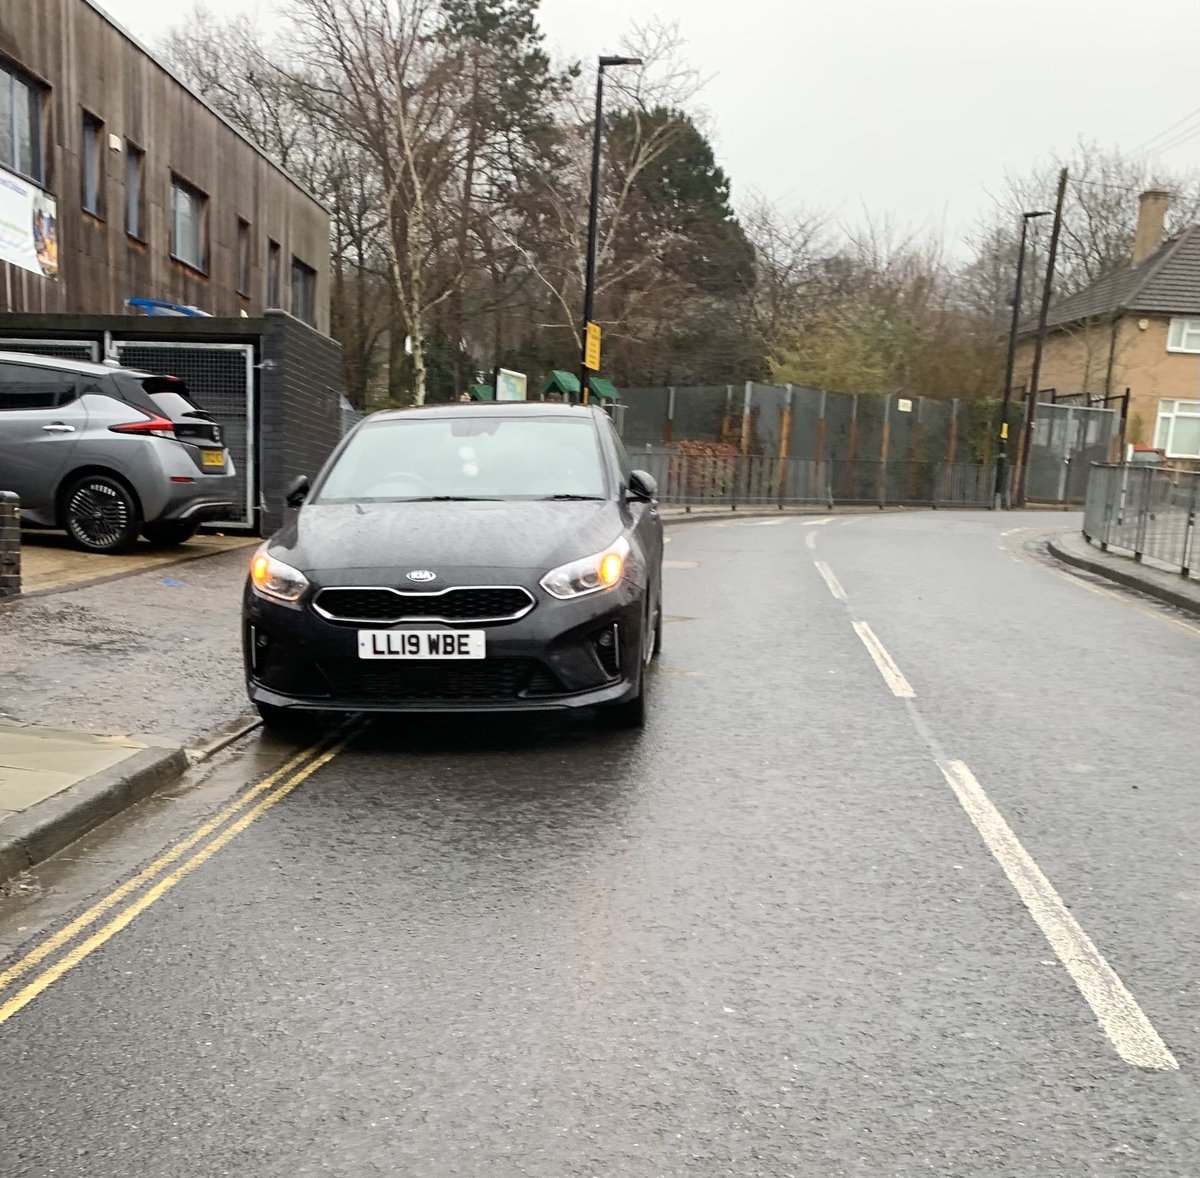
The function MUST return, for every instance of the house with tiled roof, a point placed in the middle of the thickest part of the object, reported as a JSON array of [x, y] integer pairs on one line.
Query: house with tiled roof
[[1137, 328]]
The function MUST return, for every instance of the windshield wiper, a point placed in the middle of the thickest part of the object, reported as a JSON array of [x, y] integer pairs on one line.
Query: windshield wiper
[[452, 499], [570, 498]]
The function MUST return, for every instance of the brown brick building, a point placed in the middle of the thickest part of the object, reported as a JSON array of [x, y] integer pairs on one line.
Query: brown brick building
[[117, 182], [1137, 328]]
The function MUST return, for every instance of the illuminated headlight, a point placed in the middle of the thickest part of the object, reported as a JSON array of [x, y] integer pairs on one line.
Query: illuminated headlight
[[274, 579], [589, 575]]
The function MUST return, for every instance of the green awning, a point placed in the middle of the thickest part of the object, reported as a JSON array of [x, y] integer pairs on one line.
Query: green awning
[[482, 392], [566, 383], [604, 389]]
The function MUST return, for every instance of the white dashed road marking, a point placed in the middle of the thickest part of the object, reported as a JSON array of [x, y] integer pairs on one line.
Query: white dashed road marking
[[827, 575], [892, 675], [810, 541], [1116, 1009]]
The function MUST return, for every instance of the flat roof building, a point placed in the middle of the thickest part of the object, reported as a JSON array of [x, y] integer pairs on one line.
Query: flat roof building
[[117, 182]]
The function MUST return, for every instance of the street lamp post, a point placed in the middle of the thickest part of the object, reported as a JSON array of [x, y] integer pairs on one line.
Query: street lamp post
[[589, 285], [1010, 364]]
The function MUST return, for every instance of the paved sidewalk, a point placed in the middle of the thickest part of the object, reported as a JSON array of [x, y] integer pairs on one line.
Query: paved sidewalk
[[49, 562], [105, 689], [56, 785], [1072, 548]]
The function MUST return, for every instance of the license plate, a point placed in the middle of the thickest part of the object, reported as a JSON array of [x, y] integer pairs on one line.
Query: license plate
[[422, 644], [212, 457]]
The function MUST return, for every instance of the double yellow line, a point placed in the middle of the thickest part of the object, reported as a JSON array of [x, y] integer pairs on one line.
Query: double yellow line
[[265, 794]]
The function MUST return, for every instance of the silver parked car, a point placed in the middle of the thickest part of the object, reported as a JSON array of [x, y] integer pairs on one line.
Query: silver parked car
[[107, 453]]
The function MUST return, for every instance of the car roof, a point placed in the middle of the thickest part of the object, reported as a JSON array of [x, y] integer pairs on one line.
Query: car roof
[[87, 367], [488, 409]]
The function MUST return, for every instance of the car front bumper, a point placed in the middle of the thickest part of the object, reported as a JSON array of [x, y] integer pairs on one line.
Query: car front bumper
[[552, 659]]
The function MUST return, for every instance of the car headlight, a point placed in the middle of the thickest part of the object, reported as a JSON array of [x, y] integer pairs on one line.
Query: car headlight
[[274, 579], [604, 570]]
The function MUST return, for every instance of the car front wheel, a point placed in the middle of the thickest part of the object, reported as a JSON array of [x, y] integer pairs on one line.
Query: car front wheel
[[100, 514], [284, 721], [631, 713]]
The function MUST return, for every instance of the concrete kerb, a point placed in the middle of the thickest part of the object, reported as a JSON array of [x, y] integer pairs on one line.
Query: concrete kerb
[[704, 515], [42, 830], [46, 828], [1132, 578]]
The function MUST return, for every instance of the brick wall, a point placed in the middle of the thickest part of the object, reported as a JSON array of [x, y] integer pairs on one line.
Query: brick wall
[[10, 544], [300, 410]]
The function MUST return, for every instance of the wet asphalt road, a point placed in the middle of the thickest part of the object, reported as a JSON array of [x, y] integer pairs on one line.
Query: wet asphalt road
[[761, 938]]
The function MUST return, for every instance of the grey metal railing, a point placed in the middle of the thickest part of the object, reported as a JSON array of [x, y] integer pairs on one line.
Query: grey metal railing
[[702, 480], [1147, 511]]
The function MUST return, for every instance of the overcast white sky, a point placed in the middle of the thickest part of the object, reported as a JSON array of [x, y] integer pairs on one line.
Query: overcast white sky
[[912, 110]]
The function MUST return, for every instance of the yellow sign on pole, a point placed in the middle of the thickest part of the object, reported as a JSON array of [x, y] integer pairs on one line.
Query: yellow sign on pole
[[591, 351]]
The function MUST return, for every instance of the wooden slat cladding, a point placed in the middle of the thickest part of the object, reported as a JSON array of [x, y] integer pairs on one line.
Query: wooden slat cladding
[[91, 67]]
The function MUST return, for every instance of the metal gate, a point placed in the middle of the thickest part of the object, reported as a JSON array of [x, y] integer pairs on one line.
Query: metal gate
[[220, 379], [1066, 440]]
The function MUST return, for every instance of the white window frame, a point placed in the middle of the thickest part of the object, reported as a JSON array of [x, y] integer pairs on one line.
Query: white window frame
[[25, 100], [91, 151], [1184, 336], [189, 208], [1169, 413], [135, 191]]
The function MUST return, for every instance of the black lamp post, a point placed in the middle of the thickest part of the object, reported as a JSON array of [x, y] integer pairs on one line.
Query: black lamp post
[[1002, 448], [589, 286]]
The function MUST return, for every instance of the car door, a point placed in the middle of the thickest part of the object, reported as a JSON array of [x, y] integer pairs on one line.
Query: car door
[[41, 419]]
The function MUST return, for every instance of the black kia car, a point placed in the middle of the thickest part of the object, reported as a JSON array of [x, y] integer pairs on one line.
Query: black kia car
[[462, 558]]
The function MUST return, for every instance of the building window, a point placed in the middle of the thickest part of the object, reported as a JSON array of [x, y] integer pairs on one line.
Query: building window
[[1184, 335], [189, 225], [21, 103], [93, 165], [243, 257], [304, 292], [273, 273], [135, 167], [1178, 431]]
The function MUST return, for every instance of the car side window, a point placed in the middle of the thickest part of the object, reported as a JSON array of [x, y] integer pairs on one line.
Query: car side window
[[623, 464], [25, 386]]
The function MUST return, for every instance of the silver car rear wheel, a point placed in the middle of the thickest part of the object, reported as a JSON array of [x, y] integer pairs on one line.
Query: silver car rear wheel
[[100, 514]]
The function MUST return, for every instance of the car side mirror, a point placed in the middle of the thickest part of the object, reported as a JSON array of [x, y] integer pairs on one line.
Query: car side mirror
[[296, 491], [642, 486]]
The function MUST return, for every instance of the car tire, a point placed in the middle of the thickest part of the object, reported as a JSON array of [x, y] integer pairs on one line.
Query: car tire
[[169, 533], [631, 713], [101, 514], [285, 721]]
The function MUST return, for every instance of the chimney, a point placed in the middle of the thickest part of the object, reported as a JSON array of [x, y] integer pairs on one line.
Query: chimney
[[1151, 223]]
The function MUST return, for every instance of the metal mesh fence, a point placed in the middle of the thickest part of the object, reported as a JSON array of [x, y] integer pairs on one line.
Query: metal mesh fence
[[62, 349], [1147, 511], [702, 480], [862, 428], [646, 414], [220, 381]]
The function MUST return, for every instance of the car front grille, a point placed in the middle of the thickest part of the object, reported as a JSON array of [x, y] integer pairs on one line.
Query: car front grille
[[486, 681], [467, 604]]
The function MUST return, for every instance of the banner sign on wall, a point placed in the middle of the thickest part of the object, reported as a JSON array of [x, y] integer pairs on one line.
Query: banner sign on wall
[[28, 226]]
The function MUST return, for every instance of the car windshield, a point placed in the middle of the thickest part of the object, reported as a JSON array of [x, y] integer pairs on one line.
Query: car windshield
[[476, 457]]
